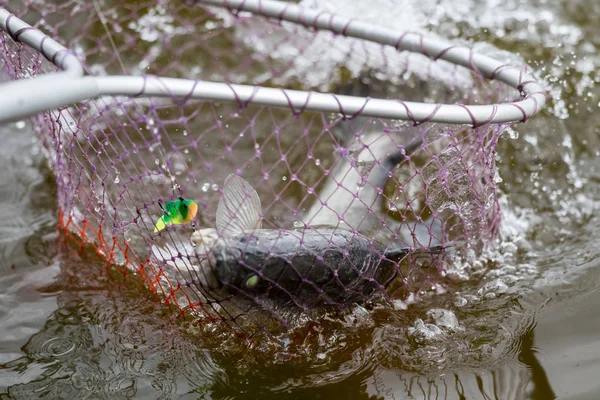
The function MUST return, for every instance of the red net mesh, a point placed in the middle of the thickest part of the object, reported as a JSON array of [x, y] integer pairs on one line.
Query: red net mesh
[[421, 197]]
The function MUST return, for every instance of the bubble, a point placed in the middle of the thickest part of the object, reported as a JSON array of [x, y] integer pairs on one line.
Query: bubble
[[444, 319], [422, 333], [460, 302], [491, 289], [205, 187], [20, 124], [214, 187]]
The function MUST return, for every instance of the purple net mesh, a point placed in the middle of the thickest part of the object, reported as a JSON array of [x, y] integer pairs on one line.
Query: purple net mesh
[[116, 158]]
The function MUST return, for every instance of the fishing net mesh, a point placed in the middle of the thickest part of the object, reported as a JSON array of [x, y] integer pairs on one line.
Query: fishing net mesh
[[115, 158]]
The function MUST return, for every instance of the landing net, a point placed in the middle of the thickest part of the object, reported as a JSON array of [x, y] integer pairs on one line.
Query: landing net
[[143, 103]]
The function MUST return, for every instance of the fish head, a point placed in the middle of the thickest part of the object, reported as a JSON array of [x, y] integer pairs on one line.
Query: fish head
[[234, 261], [238, 216], [231, 266]]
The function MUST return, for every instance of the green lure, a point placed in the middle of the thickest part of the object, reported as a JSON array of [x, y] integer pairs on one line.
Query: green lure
[[176, 212]]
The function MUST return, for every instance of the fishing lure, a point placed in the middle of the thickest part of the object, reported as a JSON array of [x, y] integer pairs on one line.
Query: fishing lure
[[176, 212]]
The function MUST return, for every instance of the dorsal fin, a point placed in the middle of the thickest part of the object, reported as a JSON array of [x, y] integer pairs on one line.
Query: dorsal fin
[[239, 208]]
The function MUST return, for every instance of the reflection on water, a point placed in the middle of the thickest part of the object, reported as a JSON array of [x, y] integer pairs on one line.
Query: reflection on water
[[110, 339]]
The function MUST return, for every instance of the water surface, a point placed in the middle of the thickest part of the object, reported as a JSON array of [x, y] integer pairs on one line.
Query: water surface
[[527, 315]]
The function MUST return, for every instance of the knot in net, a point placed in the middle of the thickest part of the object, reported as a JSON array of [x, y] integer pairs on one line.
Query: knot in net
[[251, 207]]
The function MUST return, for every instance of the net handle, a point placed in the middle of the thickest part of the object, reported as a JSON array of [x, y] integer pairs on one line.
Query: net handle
[[28, 97]]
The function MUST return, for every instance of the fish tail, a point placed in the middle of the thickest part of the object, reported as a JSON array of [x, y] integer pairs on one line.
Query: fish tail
[[160, 224], [362, 86], [398, 156]]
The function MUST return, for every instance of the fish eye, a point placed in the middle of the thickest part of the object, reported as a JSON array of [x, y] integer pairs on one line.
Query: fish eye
[[252, 281], [185, 206]]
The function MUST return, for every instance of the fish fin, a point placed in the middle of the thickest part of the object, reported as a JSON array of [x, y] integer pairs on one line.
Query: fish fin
[[160, 225], [396, 253], [239, 208]]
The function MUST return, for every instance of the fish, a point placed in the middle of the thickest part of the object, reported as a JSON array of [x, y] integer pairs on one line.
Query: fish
[[328, 262], [176, 212]]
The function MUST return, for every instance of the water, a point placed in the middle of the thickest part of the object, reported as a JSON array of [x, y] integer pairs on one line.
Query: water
[[524, 325]]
